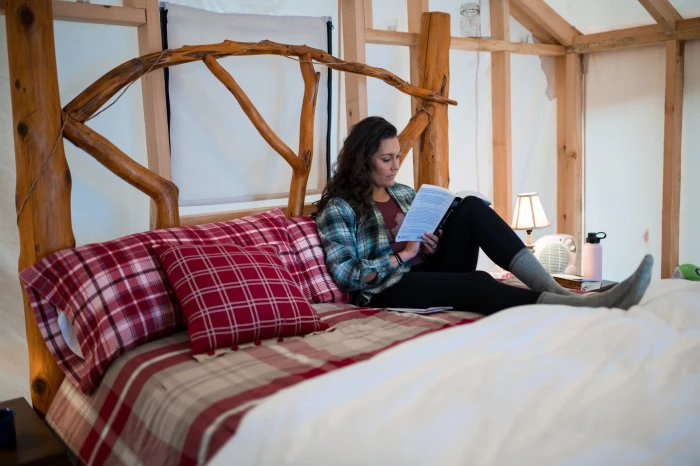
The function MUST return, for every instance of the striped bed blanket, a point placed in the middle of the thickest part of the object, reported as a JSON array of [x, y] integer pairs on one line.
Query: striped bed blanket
[[159, 405]]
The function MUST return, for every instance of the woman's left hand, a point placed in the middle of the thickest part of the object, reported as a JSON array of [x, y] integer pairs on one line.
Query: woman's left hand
[[430, 243]]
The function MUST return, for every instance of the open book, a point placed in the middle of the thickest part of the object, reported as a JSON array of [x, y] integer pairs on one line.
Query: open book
[[430, 210]]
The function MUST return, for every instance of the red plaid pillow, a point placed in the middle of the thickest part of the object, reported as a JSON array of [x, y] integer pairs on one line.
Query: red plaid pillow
[[233, 295], [117, 295], [311, 260]]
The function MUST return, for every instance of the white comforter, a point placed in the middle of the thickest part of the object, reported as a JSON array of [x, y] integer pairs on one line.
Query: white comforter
[[531, 385]]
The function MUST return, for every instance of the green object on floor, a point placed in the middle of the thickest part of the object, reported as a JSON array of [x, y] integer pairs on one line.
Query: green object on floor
[[687, 271]]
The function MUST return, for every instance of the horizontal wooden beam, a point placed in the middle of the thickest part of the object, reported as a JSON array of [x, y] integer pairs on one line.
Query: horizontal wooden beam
[[686, 29], [375, 36], [492, 45], [200, 219], [96, 14], [663, 13]]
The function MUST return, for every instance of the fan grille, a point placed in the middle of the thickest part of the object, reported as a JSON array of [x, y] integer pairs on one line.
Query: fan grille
[[554, 258]]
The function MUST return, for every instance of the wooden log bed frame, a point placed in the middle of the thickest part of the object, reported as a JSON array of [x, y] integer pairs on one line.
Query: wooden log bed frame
[[43, 185]]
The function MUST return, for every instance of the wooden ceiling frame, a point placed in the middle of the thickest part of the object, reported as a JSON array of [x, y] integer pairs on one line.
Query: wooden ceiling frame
[[663, 13]]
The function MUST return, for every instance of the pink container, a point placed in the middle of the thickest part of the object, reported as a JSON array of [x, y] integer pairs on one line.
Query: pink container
[[593, 256]]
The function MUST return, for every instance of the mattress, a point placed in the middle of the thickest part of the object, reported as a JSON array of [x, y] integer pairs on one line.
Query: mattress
[[158, 405]]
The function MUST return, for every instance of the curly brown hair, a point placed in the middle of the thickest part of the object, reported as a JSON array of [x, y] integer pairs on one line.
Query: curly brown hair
[[351, 180]]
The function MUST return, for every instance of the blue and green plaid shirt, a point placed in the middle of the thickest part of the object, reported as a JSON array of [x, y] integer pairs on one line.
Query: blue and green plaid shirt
[[356, 247]]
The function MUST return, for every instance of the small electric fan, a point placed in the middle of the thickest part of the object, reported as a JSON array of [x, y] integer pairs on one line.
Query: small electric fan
[[557, 253]]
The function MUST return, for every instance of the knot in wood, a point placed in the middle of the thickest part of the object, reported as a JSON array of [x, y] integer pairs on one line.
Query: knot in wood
[[17, 83], [40, 386], [26, 16], [22, 129]]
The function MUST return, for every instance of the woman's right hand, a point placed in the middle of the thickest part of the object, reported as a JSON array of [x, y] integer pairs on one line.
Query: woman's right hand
[[410, 251]]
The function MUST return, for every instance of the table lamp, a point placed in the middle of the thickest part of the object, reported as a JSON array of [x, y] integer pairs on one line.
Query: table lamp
[[529, 215]]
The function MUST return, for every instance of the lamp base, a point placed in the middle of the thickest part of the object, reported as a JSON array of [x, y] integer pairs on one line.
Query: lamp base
[[528, 241]]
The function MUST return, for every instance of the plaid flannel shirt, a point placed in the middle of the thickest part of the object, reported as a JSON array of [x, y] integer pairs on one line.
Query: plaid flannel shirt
[[355, 248]]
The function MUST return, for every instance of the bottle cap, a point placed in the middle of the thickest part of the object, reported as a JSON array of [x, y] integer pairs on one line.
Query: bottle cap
[[594, 238]]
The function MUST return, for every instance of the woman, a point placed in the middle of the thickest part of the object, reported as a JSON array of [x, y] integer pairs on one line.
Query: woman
[[361, 211]]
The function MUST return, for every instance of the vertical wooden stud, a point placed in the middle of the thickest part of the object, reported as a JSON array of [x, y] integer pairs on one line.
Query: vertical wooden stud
[[353, 17]]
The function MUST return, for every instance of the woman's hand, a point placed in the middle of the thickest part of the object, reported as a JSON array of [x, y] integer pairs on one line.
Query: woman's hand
[[430, 243], [410, 251]]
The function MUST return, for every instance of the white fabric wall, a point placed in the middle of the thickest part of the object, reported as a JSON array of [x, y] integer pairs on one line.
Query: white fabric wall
[[217, 157]]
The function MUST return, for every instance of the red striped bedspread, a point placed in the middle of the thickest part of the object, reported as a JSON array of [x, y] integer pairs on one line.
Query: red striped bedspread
[[158, 405]]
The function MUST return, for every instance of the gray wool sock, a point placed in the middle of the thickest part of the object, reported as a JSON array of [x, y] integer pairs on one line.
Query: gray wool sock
[[528, 269], [622, 296]]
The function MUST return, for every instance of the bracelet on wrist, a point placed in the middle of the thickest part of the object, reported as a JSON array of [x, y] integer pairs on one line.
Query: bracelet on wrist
[[398, 258]]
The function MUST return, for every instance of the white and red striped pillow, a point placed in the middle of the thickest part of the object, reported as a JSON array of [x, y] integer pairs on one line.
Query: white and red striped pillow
[[311, 260], [233, 295], [117, 295]]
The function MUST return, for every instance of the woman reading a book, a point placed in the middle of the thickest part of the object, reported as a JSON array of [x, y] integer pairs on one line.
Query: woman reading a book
[[359, 215]]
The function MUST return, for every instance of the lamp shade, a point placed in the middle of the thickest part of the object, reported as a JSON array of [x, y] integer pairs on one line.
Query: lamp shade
[[529, 213]]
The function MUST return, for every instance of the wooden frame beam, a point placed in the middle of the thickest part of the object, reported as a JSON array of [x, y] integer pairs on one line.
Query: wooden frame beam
[[673, 123], [153, 91], [410, 39], [686, 29], [531, 24], [541, 15], [501, 113], [353, 28], [663, 13], [96, 14], [569, 147]]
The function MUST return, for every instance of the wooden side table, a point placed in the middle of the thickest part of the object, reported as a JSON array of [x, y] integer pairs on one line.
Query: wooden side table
[[36, 445]]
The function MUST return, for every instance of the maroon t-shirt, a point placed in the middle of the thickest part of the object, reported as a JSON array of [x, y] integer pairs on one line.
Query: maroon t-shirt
[[393, 218]]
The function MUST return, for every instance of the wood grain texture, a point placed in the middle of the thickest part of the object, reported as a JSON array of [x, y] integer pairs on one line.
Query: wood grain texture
[[501, 114], [253, 115], [663, 13], [353, 29], [673, 125], [98, 93], [95, 14], [686, 29], [381, 37], [200, 219], [153, 91], [45, 223], [163, 192], [297, 190], [544, 16], [369, 16], [434, 53], [570, 157], [416, 8]]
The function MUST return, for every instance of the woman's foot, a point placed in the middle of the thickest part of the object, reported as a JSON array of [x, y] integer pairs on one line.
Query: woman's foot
[[622, 296]]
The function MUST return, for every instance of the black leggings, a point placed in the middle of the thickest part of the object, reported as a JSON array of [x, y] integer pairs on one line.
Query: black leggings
[[449, 277]]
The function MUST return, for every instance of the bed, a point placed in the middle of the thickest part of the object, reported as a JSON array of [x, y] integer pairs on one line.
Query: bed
[[133, 391]]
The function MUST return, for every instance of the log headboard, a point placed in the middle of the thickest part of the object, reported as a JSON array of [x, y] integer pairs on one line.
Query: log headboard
[[43, 177]]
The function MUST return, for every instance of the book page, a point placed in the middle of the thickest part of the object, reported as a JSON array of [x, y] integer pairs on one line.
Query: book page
[[427, 210]]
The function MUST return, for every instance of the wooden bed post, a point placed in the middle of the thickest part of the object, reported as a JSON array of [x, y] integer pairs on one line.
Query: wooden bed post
[[434, 54], [416, 8], [45, 222]]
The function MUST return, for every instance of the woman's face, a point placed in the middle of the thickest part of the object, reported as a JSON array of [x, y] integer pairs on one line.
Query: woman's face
[[385, 163]]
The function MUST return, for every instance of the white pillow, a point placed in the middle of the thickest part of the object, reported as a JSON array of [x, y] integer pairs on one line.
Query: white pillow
[[68, 332]]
